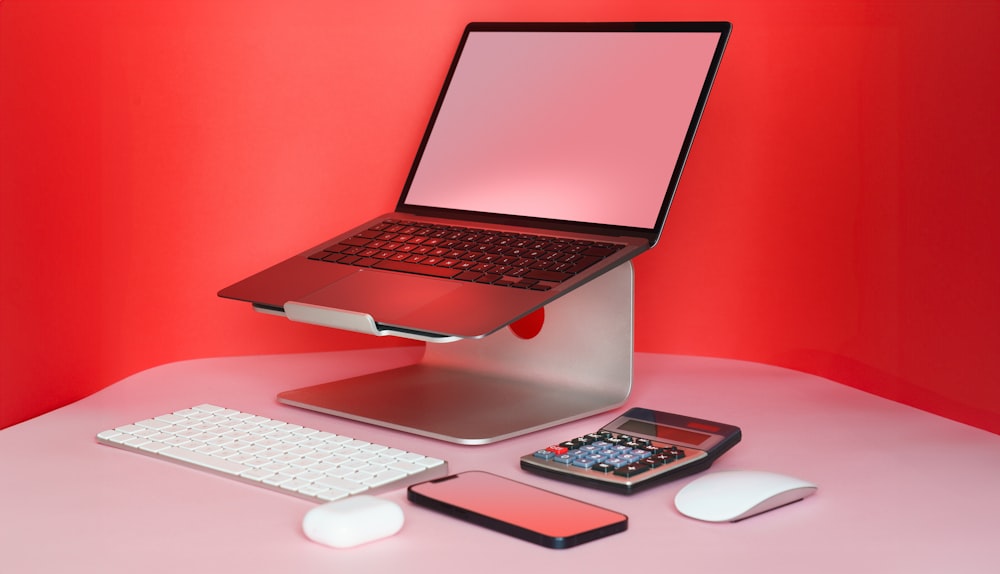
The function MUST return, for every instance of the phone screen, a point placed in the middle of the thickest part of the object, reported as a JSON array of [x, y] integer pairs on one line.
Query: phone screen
[[518, 509]]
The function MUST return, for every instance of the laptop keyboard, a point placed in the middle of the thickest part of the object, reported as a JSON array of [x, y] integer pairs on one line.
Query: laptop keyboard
[[516, 260]]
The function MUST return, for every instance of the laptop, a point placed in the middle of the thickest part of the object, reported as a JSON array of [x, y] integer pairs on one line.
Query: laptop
[[551, 156]]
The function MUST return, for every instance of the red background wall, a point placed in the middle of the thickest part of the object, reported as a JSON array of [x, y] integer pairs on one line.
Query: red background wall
[[837, 214]]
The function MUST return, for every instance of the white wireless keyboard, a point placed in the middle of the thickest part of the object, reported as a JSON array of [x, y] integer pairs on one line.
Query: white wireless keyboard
[[289, 458]]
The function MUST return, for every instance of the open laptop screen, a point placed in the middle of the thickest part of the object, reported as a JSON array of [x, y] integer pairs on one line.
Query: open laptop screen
[[582, 126]]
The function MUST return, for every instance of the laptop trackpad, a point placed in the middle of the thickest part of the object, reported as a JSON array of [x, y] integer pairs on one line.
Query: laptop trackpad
[[387, 297]]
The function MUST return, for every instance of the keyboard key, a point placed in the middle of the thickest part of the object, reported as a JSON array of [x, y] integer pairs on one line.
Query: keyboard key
[[406, 467], [546, 275], [385, 477], [431, 462], [348, 486], [417, 268], [201, 459]]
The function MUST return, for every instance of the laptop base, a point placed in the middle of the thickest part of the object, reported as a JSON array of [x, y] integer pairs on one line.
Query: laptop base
[[480, 391]]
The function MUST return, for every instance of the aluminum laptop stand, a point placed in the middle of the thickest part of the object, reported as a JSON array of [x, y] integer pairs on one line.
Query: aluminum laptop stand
[[479, 391]]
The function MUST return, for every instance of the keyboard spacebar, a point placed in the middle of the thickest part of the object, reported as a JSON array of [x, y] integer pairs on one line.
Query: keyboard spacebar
[[204, 460], [446, 272]]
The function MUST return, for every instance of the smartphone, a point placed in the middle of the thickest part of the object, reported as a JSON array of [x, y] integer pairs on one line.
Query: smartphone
[[517, 509]]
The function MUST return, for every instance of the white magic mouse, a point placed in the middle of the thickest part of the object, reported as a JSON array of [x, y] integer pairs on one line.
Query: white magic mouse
[[352, 521], [729, 496]]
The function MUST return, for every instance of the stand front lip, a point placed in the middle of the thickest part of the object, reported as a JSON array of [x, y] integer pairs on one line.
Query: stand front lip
[[354, 321]]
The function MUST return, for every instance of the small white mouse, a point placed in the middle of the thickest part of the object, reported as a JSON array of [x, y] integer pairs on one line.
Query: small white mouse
[[729, 496]]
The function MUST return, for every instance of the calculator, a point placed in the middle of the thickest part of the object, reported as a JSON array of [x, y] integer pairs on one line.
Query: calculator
[[640, 448]]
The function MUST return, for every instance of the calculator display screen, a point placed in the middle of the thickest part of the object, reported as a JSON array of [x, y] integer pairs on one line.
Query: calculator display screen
[[671, 434]]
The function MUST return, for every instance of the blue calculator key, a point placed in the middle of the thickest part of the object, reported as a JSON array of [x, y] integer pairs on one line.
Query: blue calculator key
[[545, 454], [565, 458], [583, 462]]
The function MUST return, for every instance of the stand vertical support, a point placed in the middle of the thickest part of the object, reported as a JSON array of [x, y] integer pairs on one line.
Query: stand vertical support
[[479, 391]]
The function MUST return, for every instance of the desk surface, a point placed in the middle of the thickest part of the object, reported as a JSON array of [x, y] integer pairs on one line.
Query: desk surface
[[901, 490]]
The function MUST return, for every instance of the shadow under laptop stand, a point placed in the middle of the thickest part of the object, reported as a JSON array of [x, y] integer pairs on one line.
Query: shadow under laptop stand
[[479, 391]]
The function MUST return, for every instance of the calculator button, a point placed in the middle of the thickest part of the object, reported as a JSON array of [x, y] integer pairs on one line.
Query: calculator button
[[631, 470], [603, 467], [651, 462], [663, 458], [557, 449], [544, 454]]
